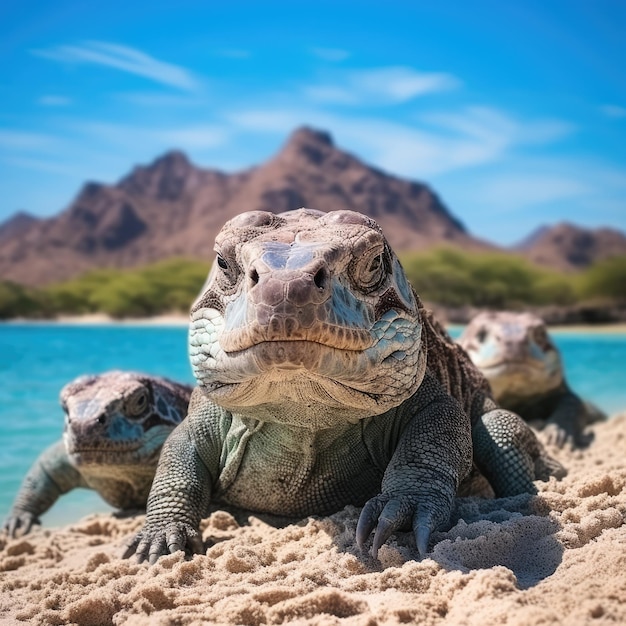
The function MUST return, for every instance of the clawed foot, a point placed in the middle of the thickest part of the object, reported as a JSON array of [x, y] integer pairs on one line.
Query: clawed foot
[[387, 514], [555, 435], [153, 542], [22, 520]]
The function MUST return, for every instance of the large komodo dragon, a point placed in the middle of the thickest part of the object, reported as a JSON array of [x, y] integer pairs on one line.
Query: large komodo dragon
[[323, 382], [523, 366], [115, 426]]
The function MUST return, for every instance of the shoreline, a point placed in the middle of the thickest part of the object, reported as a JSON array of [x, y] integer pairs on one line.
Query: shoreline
[[181, 319], [102, 319]]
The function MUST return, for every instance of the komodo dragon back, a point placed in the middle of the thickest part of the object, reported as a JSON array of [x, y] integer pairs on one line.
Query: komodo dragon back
[[323, 382]]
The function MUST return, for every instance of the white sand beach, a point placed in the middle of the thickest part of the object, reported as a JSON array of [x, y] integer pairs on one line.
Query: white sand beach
[[182, 319], [557, 558]]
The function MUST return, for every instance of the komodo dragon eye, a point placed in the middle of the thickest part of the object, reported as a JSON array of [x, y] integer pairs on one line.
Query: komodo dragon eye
[[221, 261], [137, 403], [371, 271], [540, 337], [230, 269]]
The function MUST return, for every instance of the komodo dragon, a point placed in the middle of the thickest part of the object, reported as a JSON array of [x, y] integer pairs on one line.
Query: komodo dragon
[[323, 382], [115, 426], [524, 369]]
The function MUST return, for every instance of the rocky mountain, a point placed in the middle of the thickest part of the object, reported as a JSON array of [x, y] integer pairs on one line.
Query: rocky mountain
[[17, 224], [569, 247], [173, 208]]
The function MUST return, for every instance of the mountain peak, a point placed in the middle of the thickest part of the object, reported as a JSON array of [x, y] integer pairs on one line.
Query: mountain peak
[[166, 178], [305, 135], [20, 217], [532, 238], [308, 145], [567, 246], [171, 158], [17, 224]]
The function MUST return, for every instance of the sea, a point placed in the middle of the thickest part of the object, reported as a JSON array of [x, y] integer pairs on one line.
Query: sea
[[37, 359]]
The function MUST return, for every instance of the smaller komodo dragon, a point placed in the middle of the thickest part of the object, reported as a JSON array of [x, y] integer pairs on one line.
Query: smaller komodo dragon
[[115, 426], [323, 382], [524, 368]]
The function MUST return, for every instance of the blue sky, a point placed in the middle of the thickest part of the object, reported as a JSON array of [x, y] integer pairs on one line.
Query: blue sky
[[514, 112]]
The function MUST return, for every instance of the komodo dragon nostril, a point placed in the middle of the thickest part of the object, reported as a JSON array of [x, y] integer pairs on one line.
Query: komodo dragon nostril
[[321, 278], [254, 277]]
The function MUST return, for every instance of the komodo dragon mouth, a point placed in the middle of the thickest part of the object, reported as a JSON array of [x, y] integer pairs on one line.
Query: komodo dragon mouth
[[73, 448], [105, 456], [341, 338], [513, 364], [296, 354], [109, 452]]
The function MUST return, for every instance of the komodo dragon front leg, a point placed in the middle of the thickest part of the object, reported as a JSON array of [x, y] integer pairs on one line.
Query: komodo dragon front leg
[[48, 479], [422, 477], [185, 479], [508, 453]]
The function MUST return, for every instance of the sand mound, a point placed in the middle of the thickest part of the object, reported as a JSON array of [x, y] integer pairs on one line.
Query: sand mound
[[557, 558]]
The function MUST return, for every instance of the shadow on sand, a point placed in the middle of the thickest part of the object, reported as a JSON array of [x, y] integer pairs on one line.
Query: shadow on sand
[[516, 533]]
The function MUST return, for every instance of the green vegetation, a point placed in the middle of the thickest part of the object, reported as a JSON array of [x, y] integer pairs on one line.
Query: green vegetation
[[19, 301], [443, 276], [605, 280], [494, 280], [163, 287]]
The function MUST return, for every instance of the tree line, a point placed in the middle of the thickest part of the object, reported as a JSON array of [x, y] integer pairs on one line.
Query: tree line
[[444, 276]]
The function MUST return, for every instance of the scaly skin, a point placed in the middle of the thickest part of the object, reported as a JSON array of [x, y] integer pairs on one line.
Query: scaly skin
[[323, 382], [115, 426], [524, 369]]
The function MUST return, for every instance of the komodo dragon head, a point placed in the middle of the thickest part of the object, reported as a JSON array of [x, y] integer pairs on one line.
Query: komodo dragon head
[[120, 418], [515, 353], [306, 314]]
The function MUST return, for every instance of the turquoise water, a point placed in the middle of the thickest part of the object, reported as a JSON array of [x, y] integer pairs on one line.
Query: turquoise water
[[36, 360]]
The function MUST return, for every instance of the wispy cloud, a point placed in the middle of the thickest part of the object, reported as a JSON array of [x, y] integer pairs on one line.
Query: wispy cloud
[[385, 85], [54, 101], [193, 137], [330, 54], [417, 151], [125, 59], [517, 190], [614, 111], [162, 100], [188, 137], [25, 140], [493, 126], [400, 84], [469, 138], [40, 165], [332, 94]]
